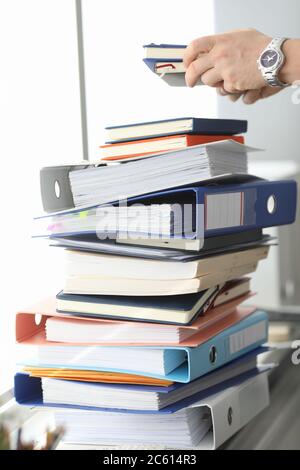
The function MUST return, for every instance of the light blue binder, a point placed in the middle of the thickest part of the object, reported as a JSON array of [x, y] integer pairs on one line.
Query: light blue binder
[[232, 343]]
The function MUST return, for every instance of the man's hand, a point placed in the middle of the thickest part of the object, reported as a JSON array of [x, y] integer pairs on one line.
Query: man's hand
[[250, 96], [229, 62]]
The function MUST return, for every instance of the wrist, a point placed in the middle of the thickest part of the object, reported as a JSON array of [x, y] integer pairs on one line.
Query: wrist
[[290, 71]]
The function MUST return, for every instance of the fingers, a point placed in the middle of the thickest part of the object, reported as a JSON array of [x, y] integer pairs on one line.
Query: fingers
[[196, 47], [232, 96], [251, 96], [211, 78], [197, 68], [221, 91], [230, 88]]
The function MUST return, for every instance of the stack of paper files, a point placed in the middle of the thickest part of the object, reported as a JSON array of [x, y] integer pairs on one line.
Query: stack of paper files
[[137, 140], [97, 274], [150, 330], [157, 172], [200, 153], [201, 425]]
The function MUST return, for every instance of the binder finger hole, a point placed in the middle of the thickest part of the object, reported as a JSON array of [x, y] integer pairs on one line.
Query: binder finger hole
[[57, 189], [213, 354], [37, 318], [271, 204], [230, 415]]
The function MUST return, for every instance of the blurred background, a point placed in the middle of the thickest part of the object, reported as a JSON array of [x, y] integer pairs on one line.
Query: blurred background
[[273, 126], [41, 122]]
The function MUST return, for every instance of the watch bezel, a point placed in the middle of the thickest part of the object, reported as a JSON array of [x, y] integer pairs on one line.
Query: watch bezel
[[270, 74], [278, 62]]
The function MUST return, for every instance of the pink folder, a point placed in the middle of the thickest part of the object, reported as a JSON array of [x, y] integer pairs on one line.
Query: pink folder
[[30, 324]]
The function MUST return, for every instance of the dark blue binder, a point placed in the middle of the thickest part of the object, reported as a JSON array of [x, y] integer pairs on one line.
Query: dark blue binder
[[255, 210], [200, 126]]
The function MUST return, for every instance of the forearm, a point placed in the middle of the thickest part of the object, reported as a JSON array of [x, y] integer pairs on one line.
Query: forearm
[[290, 72]]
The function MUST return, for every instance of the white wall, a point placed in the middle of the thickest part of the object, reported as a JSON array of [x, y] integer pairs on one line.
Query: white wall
[[40, 124], [273, 123], [120, 88]]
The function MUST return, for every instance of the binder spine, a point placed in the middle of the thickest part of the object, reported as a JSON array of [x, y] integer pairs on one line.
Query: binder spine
[[227, 346], [55, 187]]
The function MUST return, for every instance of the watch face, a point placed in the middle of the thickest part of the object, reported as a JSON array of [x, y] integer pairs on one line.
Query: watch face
[[269, 58]]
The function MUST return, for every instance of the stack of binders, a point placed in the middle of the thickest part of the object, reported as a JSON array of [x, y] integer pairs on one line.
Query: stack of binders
[[147, 343]]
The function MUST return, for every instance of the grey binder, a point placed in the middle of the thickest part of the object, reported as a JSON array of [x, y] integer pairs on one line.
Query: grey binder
[[55, 187]]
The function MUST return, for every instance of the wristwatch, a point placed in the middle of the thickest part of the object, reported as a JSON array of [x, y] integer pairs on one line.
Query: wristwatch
[[270, 62]]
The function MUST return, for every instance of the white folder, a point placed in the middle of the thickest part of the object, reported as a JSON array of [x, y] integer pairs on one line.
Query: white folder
[[228, 411], [234, 408]]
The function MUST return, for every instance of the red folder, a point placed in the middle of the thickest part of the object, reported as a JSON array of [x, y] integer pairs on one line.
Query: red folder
[[190, 140]]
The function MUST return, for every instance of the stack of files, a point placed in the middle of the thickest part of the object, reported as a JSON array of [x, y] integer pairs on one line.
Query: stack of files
[[150, 330], [206, 387], [183, 309], [205, 422], [166, 61], [151, 321], [205, 425], [97, 274], [66, 343], [157, 172], [134, 149], [135, 141], [157, 151], [238, 333]]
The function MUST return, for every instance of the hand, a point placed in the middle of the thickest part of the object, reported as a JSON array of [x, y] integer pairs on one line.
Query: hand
[[228, 60], [250, 96]]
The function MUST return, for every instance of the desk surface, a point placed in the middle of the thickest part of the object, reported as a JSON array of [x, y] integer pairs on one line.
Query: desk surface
[[277, 427]]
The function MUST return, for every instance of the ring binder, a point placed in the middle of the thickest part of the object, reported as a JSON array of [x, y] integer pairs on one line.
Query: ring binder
[[57, 176], [55, 179]]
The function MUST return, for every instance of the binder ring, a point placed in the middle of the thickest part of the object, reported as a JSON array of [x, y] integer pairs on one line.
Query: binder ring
[[271, 204], [57, 189], [213, 354], [230, 416]]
